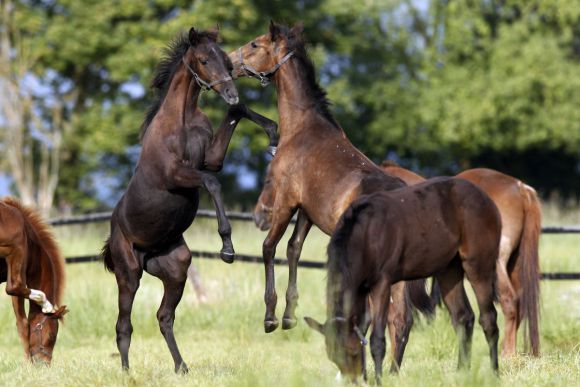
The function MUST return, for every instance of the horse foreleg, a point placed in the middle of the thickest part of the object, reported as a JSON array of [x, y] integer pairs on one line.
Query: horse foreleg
[[280, 221], [269, 126], [380, 296], [295, 244], [215, 153], [22, 324], [212, 185], [16, 282], [400, 323]]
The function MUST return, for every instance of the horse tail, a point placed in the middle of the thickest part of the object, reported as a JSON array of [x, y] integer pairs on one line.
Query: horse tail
[[42, 240], [420, 298], [107, 256], [529, 267]]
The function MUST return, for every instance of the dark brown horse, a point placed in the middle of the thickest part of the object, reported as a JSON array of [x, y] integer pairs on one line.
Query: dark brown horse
[[161, 200], [445, 227], [316, 171], [518, 271], [33, 268]]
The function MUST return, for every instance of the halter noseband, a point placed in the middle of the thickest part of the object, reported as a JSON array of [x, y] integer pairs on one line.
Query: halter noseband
[[41, 349], [200, 82], [263, 76]]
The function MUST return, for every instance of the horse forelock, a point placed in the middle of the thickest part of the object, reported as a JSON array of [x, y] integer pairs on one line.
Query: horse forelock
[[39, 234]]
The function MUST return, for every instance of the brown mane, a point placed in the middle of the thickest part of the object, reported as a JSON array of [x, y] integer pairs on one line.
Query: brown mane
[[40, 236]]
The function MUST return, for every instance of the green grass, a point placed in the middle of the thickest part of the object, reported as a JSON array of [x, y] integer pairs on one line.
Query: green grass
[[223, 342]]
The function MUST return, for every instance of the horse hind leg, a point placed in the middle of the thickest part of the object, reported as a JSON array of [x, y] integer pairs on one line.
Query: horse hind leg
[[128, 274], [172, 270], [454, 297], [482, 281], [508, 299]]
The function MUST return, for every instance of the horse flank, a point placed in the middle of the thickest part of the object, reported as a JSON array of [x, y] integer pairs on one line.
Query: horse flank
[[40, 236]]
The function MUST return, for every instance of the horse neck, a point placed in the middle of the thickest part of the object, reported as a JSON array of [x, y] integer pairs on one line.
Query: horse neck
[[180, 102], [295, 105], [340, 292]]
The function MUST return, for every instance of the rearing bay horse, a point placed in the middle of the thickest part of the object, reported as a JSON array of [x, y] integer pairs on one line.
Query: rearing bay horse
[[162, 198], [316, 171], [518, 269], [33, 268]]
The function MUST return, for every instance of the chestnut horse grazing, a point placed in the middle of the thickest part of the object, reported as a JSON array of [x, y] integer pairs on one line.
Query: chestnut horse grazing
[[32, 268], [518, 269], [445, 227], [162, 198], [316, 171]]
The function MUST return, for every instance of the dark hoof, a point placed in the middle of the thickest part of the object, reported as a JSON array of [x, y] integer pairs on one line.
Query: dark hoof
[[181, 369], [270, 325], [227, 256], [288, 323], [272, 150]]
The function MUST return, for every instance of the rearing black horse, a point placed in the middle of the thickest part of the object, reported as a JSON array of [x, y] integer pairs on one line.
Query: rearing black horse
[[161, 200]]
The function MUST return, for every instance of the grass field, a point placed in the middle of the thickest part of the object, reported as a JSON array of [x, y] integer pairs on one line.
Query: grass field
[[223, 343]]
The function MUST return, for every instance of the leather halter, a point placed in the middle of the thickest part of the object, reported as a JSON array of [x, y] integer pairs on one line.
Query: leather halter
[[205, 86], [41, 349], [263, 76], [363, 342]]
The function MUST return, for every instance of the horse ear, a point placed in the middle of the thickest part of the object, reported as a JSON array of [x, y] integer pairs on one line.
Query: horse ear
[[312, 323], [193, 37], [214, 33], [298, 28], [60, 312], [274, 31]]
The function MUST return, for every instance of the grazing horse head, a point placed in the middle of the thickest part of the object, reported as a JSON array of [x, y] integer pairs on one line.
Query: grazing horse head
[[345, 345], [209, 65], [264, 55], [42, 335]]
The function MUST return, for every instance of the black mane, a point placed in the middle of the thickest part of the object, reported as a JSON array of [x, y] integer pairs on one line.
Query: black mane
[[314, 90], [173, 55]]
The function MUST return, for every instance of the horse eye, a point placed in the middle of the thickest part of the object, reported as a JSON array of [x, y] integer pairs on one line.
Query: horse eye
[[254, 45], [203, 62]]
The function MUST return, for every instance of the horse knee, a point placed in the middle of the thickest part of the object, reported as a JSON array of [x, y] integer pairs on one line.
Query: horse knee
[[165, 321], [488, 322]]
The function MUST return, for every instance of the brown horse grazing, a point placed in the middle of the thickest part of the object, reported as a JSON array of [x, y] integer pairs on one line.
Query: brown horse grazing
[[161, 200], [32, 268], [445, 227], [518, 271], [316, 170]]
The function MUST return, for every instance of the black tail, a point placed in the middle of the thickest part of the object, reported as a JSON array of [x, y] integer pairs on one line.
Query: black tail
[[107, 256], [420, 298]]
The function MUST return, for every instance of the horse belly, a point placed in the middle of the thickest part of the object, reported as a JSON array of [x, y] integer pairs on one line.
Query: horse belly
[[161, 217]]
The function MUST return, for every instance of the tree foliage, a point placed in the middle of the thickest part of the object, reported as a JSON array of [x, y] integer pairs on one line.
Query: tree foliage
[[441, 85]]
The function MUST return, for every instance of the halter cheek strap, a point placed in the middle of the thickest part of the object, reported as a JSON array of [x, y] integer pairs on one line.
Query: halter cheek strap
[[205, 86], [263, 76], [38, 330]]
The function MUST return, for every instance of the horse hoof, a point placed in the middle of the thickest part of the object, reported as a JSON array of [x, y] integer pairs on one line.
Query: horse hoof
[[181, 369], [288, 323], [272, 150], [227, 257], [270, 325]]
